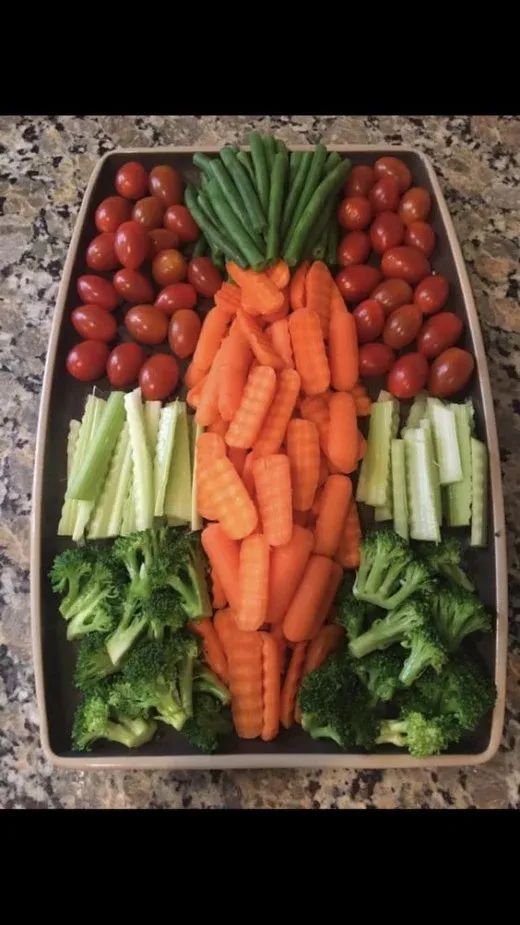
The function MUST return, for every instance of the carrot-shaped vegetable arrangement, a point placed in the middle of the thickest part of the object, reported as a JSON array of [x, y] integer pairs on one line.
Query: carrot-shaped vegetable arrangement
[[273, 493], [303, 450], [308, 346], [261, 292]]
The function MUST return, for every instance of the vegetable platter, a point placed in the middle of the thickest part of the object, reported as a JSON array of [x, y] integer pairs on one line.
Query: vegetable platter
[[268, 524]]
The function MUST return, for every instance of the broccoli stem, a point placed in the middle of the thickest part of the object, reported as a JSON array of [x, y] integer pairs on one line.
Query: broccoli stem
[[380, 635], [392, 732], [125, 635]]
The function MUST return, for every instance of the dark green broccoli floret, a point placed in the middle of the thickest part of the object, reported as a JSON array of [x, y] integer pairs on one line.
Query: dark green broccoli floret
[[444, 559], [457, 613], [69, 573], [421, 735], [93, 662], [93, 588], [351, 613], [180, 565], [426, 650], [206, 681], [389, 573], [96, 719], [208, 723], [461, 690], [396, 626], [380, 672], [164, 611]]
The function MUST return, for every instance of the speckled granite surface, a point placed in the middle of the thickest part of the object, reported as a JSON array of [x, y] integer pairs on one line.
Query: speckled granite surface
[[44, 168]]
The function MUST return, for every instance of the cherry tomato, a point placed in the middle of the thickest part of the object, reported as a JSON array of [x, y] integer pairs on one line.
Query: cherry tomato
[[375, 359], [392, 293], [357, 282], [415, 205], [438, 333], [94, 290], [87, 360], [450, 372], [384, 195], [124, 364], [148, 212], [408, 375], [147, 324], [405, 263], [354, 213], [166, 183], [158, 377], [370, 320], [175, 297], [163, 240], [131, 180], [204, 276], [353, 248], [133, 286], [111, 213], [132, 244], [183, 332], [359, 181], [422, 236], [101, 255], [179, 219], [432, 294], [402, 326], [396, 168], [386, 231], [168, 266], [94, 323]]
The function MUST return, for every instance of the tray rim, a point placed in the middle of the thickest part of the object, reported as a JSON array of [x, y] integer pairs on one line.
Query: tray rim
[[281, 760]]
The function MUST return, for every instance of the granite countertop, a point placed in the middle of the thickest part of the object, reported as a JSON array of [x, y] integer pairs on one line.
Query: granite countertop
[[45, 164]]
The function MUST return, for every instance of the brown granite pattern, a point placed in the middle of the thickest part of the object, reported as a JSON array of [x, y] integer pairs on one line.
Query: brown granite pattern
[[44, 167]]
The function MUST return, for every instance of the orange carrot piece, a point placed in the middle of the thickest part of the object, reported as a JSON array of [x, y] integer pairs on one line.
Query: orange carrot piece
[[281, 341], [336, 574], [324, 644], [218, 427], [362, 446], [218, 595], [348, 554], [300, 518], [343, 349], [291, 685], [247, 474], [334, 504], [223, 555], [245, 662], [359, 390], [209, 447], [253, 581], [211, 334], [342, 441], [283, 311], [297, 286], [212, 650], [318, 291], [193, 394], [258, 290], [225, 627], [193, 375], [273, 493], [279, 274], [271, 686], [228, 298], [309, 352], [315, 509], [278, 417], [207, 408], [316, 409], [255, 403], [324, 470], [259, 342], [287, 566], [238, 458], [363, 406], [303, 450], [277, 634], [301, 620], [228, 497], [234, 366]]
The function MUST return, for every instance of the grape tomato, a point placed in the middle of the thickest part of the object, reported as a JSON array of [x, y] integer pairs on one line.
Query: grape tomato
[[204, 276], [131, 180], [353, 248], [422, 236], [438, 333], [147, 324], [355, 213], [375, 359], [432, 294], [359, 181], [111, 213], [370, 320], [402, 326], [357, 282], [158, 377], [450, 372], [87, 360], [175, 297], [415, 205], [149, 212], [386, 231], [166, 184], [183, 332], [133, 286], [95, 290], [392, 293], [406, 263], [124, 363], [408, 375], [395, 168], [179, 220], [94, 323], [384, 195], [132, 244]]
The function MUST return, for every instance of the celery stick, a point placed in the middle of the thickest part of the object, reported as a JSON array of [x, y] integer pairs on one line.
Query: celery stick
[[163, 453], [400, 502], [107, 515], [195, 432], [426, 426], [91, 416], [72, 440], [128, 524], [142, 461], [445, 439], [458, 495], [374, 483], [423, 521], [479, 492], [383, 512], [177, 502], [87, 482], [83, 509], [417, 411], [152, 415], [385, 396]]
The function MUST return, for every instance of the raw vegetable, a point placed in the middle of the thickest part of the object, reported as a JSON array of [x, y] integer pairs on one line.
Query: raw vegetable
[[142, 482], [479, 492], [399, 489], [458, 613], [255, 403], [271, 687], [334, 504], [301, 620], [309, 351], [458, 495], [291, 684], [86, 481], [253, 579], [447, 452], [303, 450], [95, 719], [107, 515], [178, 492], [374, 478], [287, 565], [223, 554], [228, 497], [277, 419], [273, 493], [389, 572]]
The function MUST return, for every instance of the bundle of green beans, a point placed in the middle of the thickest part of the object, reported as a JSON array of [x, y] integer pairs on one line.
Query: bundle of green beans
[[256, 206]]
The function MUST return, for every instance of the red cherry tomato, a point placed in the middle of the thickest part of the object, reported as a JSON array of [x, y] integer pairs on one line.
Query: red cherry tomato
[[94, 323], [370, 320], [396, 168], [386, 231], [402, 326], [111, 213], [392, 293], [147, 324], [148, 212], [166, 183], [359, 181], [353, 248], [204, 276], [422, 236], [415, 205], [408, 375], [432, 294], [354, 213], [384, 195], [133, 286], [94, 290], [438, 333], [357, 282], [158, 377], [131, 180], [168, 266], [175, 297], [375, 359], [405, 263], [179, 219], [101, 254], [163, 240], [450, 372], [132, 244], [124, 364], [87, 360], [183, 332]]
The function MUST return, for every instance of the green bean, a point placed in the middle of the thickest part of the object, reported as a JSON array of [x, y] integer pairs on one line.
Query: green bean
[[332, 161], [260, 167], [216, 239], [234, 228], [201, 246], [320, 226], [295, 190], [331, 251], [233, 198], [311, 183], [270, 151], [203, 162], [207, 208], [276, 196], [245, 188], [294, 161], [245, 159], [329, 186], [280, 146]]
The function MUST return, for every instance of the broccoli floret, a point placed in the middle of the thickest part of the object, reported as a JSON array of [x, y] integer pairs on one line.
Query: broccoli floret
[[380, 672], [93, 662], [91, 603], [457, 613], [69, 574], [421, 735], [396, 626], [208, 723], [461, 690], [351, 614], [206, 681], [445, 559], [180, 565], [426, 650], [164, 610], [95, 719], [389, 572]]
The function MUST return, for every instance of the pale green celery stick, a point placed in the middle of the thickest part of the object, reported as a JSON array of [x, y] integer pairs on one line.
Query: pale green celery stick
[[87, 482], [83, 509], [142, 462], [72, 440], [195, 432], [423, 520], [128, 520], [177, 502], [417, 411], [93, 407], [479, 501], [445, 439], [383, 513], [458, 495], [108, 512], [152, 415], [426, 426], [374, 481], [163, 453], [400, 502], [385, 396]]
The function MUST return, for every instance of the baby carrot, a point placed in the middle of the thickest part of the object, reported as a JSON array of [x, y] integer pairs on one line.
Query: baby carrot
[[259, 342], [207, 408], [283, 311], [213, 329], [315, 509], [300, 622], [271, 687], [324, 643], [309, 351], [234, 365], [334, 504], [218, 596], [316, 409], [247, 474], [253, 580], [343, 348], [363, 405], [342, 440], [318, 290], [209, 447], [278, 332], [228, 298], [287, 566], [213, 652], [193, 394], [275, 423], [257, 288], [255, 403], [348, 554], [279, 274], [245, 660], [228, 497], [225, 626], [193, 375], [291, 685], [238, 458], [273, 493], [218, 427], [336, 574], [324, 470], [303, 450], [297, 286], [223, 555], [277, 634], [300, 518]]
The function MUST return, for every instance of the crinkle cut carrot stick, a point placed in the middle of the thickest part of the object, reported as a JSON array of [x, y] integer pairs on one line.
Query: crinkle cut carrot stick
[[228, 298], [271, 687], [209, 447], [277, 634], [257, 288], [212, 650], [228, 497], [348, 554], [318, 291], [193, 375], [303, 450], [219, 427], [309, 352], [275, 423], [281, 341], [211, 334], [245, 660], [273, 493], [334, 504], [255, 403], [259, 342], [238, 458], [291, 685], [225, 627], [316, 409], [279, 274], [223, 554], [218, 596], [297, 286], [253, 581]]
